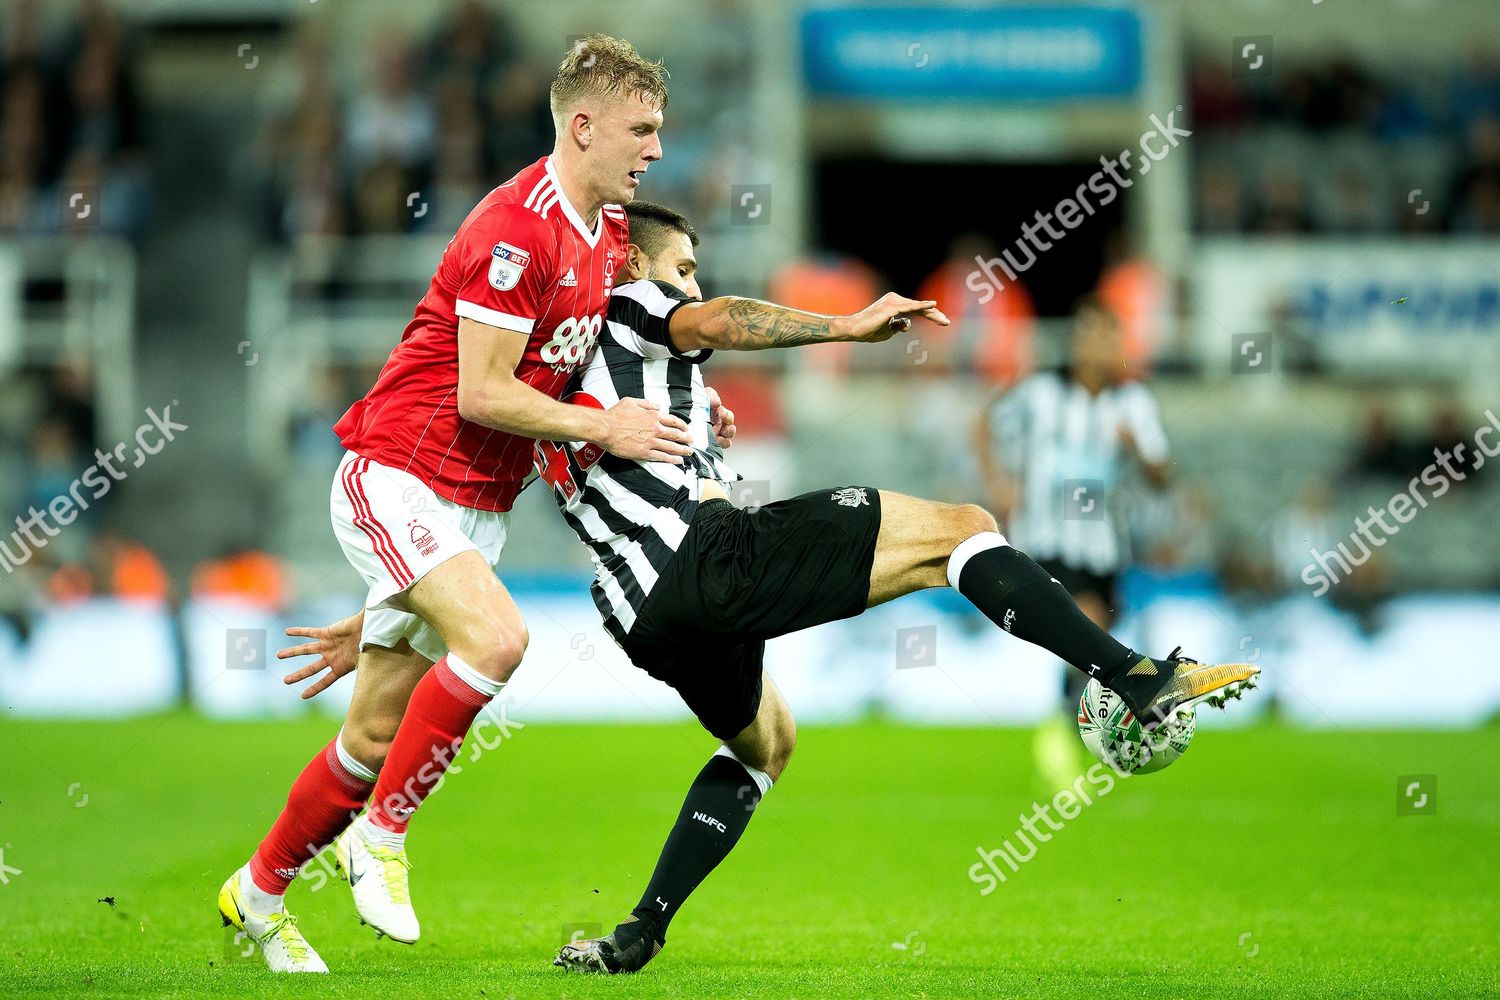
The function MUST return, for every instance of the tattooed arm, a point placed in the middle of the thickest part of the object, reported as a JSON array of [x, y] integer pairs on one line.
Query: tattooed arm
[[730, 323]]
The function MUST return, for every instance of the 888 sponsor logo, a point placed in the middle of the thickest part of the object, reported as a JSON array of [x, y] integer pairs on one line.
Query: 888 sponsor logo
[[572, 341]]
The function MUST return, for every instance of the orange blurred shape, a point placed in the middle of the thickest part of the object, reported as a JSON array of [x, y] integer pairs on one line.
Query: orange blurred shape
[[139, 576], [834, 286], [752, 394], [133, 572], [994, 338], [1136, 293], [256, 577]]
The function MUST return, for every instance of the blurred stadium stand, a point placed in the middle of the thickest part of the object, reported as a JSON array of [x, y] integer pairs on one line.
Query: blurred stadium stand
[[232, 206]]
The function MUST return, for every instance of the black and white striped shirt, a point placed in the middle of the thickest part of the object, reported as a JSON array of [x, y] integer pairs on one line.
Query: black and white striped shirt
[[632, 515], [1063, 447]]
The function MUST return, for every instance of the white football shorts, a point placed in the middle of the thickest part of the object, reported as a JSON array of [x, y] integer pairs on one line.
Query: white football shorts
[[394, 530]]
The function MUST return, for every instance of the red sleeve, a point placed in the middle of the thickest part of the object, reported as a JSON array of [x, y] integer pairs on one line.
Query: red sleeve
[[507, 259]]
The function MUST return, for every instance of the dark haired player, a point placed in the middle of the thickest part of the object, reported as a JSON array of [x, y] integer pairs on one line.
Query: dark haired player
[[692, 587]]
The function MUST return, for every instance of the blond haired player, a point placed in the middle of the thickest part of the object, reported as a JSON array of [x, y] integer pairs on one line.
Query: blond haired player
[[436, 453]]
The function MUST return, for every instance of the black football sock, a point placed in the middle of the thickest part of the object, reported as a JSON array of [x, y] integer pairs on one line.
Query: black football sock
[[714, 815], [1024, 600]]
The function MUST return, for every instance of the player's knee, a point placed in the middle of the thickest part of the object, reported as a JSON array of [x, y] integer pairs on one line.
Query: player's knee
[[786, 742], [497, 652], [499, 657], [778, 751], [970, 519], [514, 642], [369, 740]]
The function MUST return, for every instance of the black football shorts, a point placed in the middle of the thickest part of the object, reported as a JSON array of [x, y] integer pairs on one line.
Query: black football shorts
[[742, 576]]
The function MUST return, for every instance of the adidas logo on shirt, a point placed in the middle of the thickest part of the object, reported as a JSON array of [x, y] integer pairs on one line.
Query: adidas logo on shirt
[[569, 280]]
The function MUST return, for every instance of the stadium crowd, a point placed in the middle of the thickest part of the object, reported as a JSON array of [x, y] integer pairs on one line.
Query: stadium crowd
[[70, 124], [1336, 147], [427, 124]]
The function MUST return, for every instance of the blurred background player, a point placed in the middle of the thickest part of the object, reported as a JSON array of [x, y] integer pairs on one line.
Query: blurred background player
[[1053, 452]]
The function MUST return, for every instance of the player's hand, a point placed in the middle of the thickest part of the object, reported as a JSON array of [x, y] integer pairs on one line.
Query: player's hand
[[885, 317], [722, 418], [336, 647], [638, 429]]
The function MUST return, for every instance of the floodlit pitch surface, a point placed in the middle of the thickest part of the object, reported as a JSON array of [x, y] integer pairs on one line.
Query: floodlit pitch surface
[[1267, 862]]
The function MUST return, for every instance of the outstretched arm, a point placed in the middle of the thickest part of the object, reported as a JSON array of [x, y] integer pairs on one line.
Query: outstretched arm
[[731, 323]]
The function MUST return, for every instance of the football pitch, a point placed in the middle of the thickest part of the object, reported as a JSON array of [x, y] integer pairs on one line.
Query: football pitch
[[1267, 863]]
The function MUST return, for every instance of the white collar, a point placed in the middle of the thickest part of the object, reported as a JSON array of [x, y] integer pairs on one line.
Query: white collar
[[590, 236]]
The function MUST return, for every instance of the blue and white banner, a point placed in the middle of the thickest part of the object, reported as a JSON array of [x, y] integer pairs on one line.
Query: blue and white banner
[[980, 54], [1360, 305], [928, 659]]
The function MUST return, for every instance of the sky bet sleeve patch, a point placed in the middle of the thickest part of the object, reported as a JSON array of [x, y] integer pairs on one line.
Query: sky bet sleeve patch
[[506, 264]]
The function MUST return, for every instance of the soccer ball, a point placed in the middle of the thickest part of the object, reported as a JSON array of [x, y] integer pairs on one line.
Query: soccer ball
[[1114, 735]]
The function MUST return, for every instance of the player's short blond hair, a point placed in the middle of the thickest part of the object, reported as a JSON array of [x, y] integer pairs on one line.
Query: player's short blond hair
[[599, 65]]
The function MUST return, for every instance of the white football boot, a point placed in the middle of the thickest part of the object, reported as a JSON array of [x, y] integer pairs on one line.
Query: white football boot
[[377, 875], [275, 934]]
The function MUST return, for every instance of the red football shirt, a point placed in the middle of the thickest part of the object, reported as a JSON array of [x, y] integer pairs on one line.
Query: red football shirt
[[522, 260]]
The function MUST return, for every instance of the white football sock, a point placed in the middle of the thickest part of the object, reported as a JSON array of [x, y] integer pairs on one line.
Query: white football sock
[[968, 549], [258, 900], [352, 765], [473, 678], [762, 779], [372, 833]]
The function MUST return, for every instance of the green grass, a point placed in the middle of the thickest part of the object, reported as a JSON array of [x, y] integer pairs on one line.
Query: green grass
[[1266, 863]]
